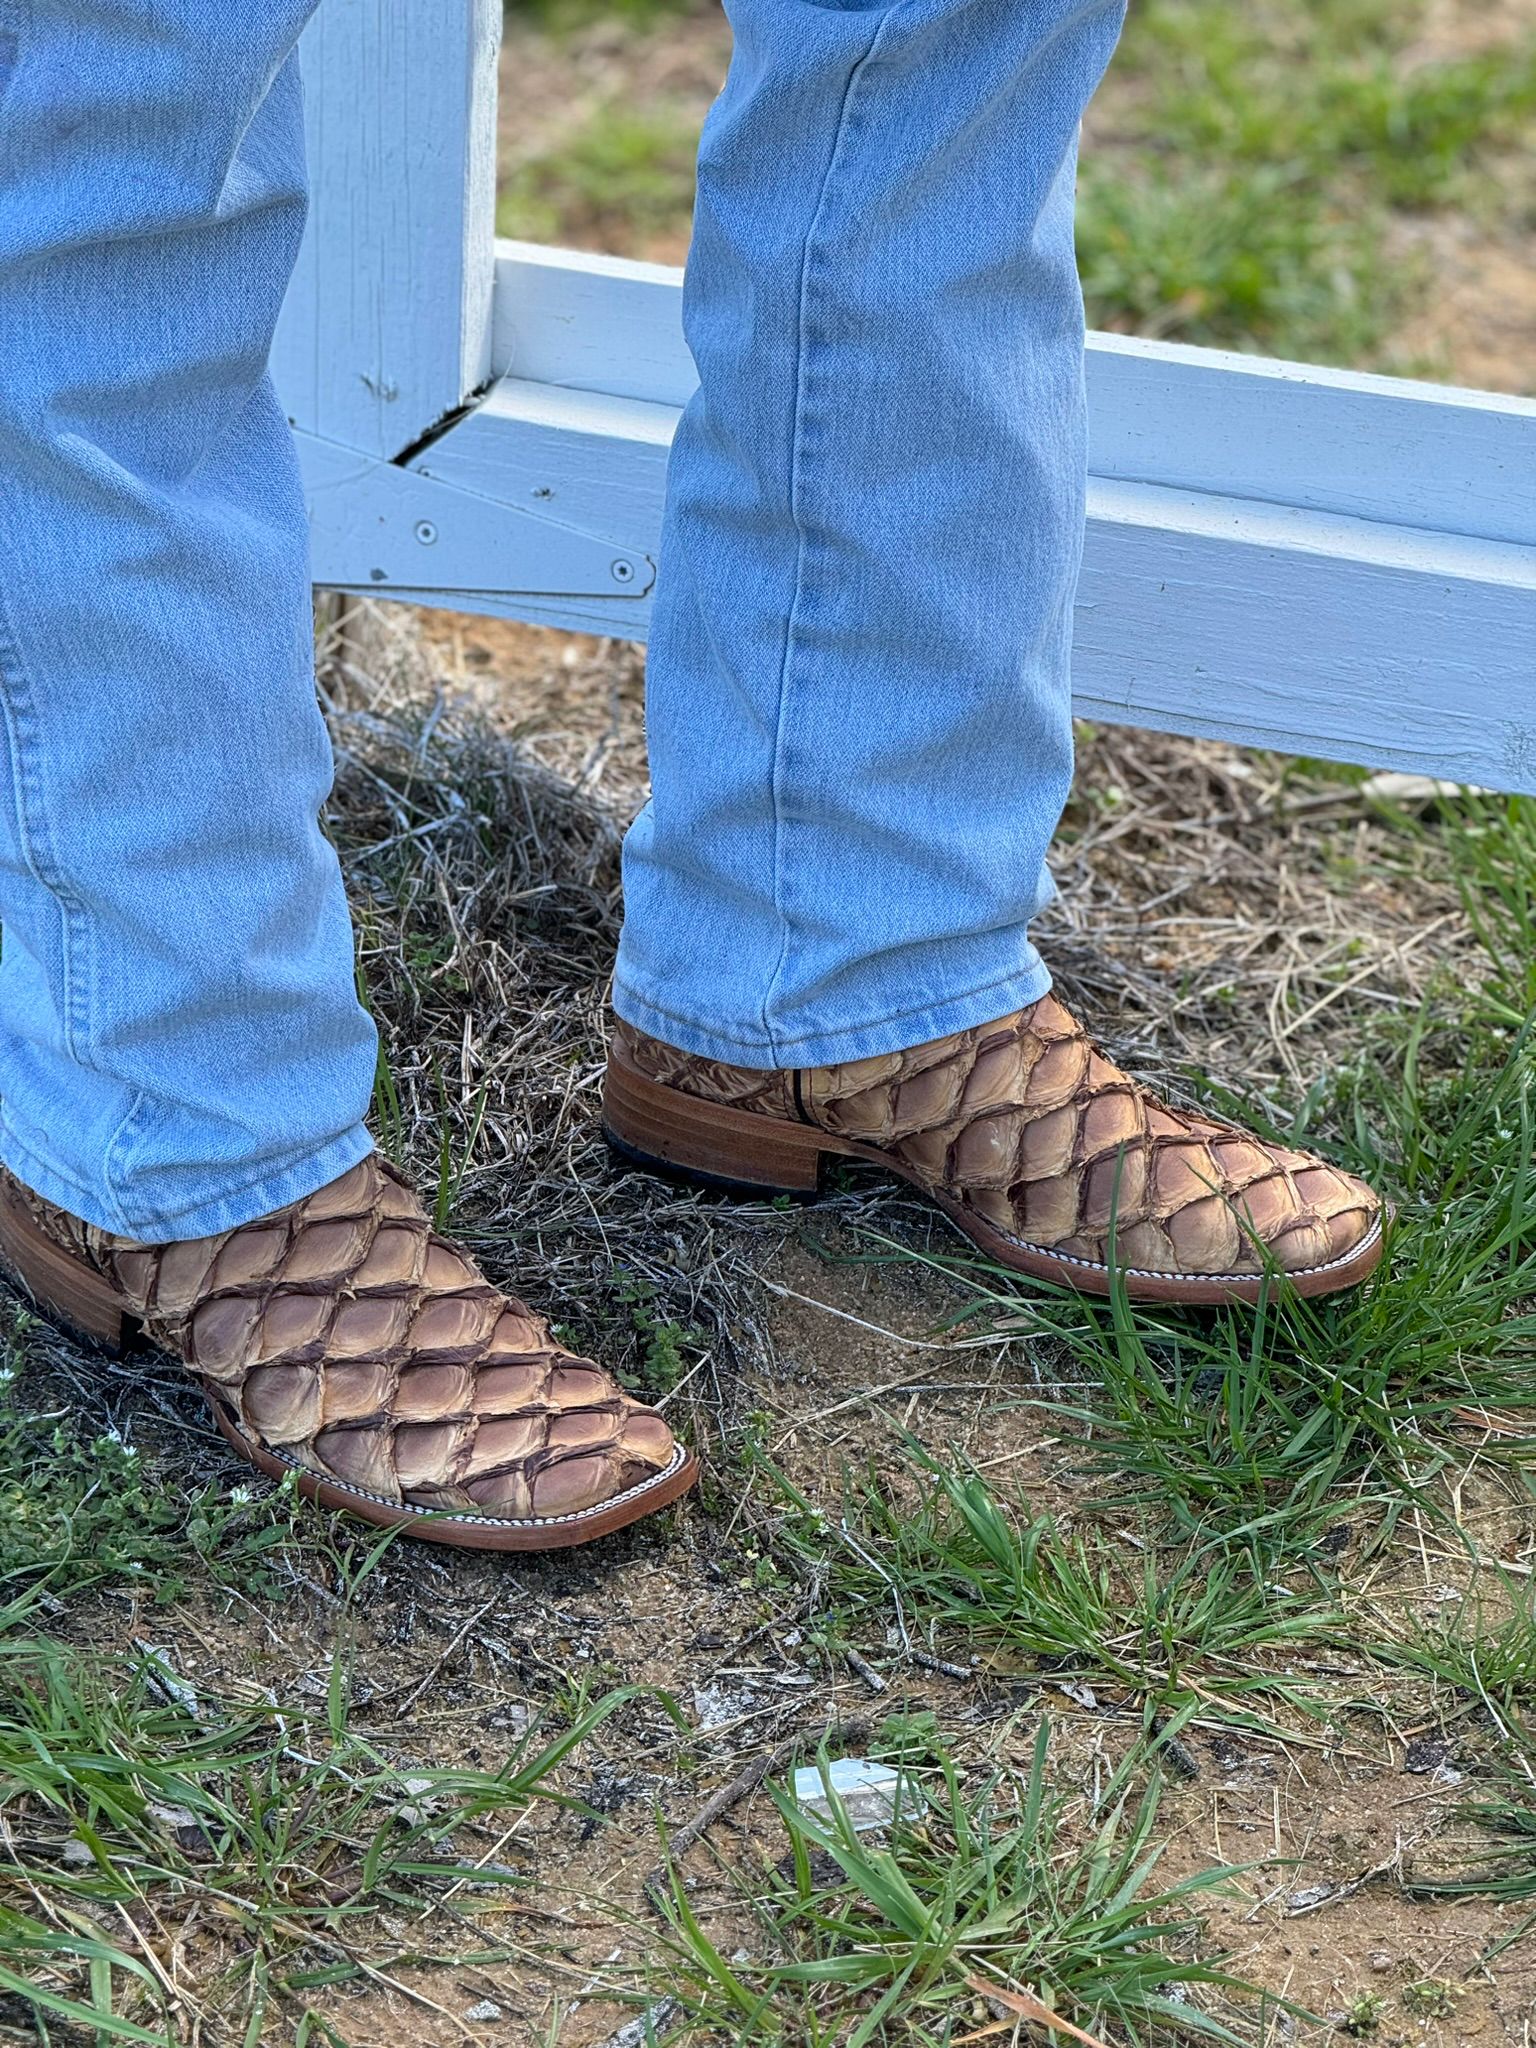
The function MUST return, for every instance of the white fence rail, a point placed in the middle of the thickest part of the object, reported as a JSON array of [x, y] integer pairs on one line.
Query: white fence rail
[[1313, 560]]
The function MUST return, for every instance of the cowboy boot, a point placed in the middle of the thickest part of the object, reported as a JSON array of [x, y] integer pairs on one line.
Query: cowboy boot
[[342, 1339], [1035, 1145]]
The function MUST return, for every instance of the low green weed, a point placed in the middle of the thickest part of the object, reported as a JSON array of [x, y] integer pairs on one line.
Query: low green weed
[[941, 1556], [989, 1900], [79, 1509], [283, 1827], [664, 1341]]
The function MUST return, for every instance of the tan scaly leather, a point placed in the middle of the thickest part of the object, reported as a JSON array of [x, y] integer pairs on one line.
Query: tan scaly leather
[[1033, 1142], [342, 1337]]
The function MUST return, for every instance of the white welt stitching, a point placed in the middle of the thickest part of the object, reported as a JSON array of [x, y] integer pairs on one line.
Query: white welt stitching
[[1153, 1273], [405, 1507]]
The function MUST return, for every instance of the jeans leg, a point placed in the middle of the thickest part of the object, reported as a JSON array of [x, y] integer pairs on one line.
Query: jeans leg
[[858, 697], [181, 1045]]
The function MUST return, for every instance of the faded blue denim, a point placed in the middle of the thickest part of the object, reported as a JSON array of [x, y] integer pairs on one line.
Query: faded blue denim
[[181, 1045], [858, 701]]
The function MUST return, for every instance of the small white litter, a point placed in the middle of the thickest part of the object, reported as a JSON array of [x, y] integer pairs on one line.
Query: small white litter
[[1392, 786], [717, 1705], [652, 2024], [870, 1792]]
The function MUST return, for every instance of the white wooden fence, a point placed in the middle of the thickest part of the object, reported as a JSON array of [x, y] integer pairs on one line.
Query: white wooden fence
[[1313, 560]]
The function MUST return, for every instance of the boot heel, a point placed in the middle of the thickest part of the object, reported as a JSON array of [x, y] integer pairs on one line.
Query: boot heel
[[708, 1142], [65, 1289]]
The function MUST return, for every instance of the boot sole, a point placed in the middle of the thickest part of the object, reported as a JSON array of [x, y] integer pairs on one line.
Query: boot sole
[[710, 1144], [80, 1302]]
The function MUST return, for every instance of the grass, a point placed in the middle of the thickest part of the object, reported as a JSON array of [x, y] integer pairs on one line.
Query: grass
[[628, 171], [1257, 160], [302, 1851], [1219, 258], [1491, 1854], [1245, 1444], [1336, 92], [1252, 1476], [1232, 1544], [131, 1799], [562, 16], [79, 1511], [986, 1905], [1185, 1576], [1253, 178], [1265, 1423], [1220, 1551], [931, 1548], [1487, 1657]]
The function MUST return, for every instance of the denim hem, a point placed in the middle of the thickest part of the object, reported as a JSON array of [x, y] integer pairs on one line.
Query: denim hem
[[894, 1032], [226, 1211]]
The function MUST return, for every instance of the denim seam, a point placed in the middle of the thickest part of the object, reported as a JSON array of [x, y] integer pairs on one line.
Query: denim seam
[[126, 1133], [796, 463], [20, 712], [778, 1043], [77, 958]]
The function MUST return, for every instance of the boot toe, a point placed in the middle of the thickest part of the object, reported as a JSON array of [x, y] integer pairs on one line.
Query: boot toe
[[547, 1464], [1310, 1215]]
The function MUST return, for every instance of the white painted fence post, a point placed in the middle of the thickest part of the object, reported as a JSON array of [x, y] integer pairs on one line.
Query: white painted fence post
[[387, 330]]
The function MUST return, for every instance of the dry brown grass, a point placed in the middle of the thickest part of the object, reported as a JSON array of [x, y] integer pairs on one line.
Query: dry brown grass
[[1243, 918]]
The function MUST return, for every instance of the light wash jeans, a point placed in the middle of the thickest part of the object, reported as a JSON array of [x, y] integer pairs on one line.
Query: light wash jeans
[[181, 1045], [859, 700]]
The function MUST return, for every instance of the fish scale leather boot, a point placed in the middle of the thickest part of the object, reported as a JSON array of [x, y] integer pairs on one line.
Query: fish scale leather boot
[[1040, 1149], [341, 1338]]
